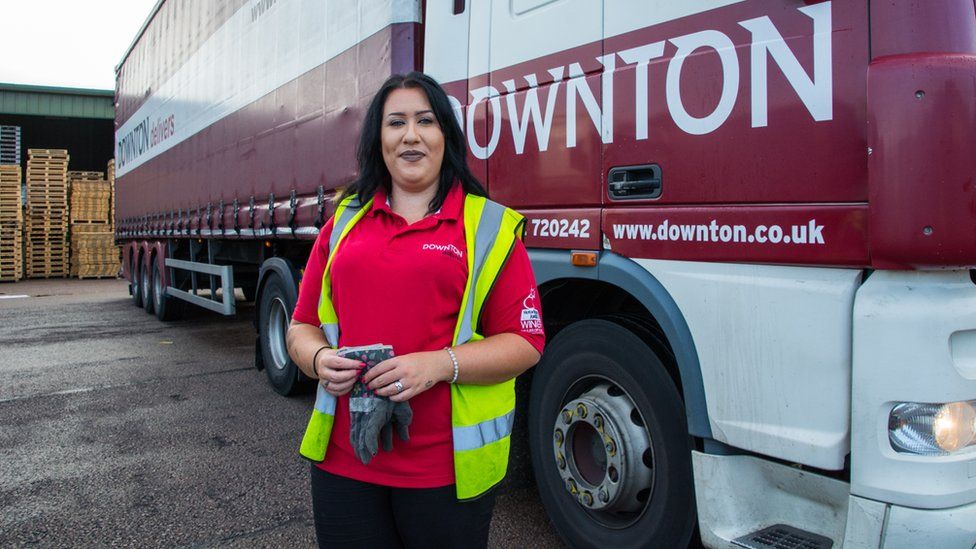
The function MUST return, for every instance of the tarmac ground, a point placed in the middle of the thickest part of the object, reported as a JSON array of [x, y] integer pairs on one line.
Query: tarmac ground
[[119, 430]]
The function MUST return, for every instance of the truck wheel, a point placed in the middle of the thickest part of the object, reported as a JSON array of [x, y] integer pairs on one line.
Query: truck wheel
[[166, 307], [609, 441], [145, 283], [134, 278], [274, 315]]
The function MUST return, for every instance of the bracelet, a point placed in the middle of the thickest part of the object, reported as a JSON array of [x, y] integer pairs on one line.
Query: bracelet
[[315, 358], [454, 361]]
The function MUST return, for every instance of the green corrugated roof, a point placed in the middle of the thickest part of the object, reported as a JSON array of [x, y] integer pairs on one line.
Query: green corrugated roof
[[48, 101]]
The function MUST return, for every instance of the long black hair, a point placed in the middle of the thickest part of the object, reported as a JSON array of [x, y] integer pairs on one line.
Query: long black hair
[[369, 153]]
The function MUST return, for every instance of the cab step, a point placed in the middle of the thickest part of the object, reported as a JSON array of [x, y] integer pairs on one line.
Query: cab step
[[782, 536]]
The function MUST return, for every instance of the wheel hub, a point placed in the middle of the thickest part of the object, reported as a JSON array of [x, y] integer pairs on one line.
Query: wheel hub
[[603, 451], [145, 284], [277, 328], [158, 291]]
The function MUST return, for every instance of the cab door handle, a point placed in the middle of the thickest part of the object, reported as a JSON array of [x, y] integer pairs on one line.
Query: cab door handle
[[635, 182]]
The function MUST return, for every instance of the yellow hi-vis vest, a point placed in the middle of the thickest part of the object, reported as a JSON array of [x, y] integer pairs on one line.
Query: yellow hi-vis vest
[[481, 415]]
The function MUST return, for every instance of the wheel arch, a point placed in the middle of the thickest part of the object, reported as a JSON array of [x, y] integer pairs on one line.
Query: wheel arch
[[282, 267], [619, 285]]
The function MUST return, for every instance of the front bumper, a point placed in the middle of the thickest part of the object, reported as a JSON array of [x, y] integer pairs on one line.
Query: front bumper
[[872, 524], [914, 335], [738, 495]]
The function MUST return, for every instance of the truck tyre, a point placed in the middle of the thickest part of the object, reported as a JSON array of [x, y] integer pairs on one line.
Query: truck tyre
[[145, 284], [166, 307], [134, 278], [609, 441], [274, 314]]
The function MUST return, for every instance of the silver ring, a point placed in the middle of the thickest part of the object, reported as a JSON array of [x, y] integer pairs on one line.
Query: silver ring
[[398, 385]]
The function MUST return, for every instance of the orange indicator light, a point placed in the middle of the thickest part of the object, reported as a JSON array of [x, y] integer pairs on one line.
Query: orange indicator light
[[584, 259]]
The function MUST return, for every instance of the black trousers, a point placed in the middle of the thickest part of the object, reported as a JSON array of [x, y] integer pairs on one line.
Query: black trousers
[[350, 513]]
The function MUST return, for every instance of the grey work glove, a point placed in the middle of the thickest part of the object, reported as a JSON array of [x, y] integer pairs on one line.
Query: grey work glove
[[402, 416], [368, 413], [367, 416]]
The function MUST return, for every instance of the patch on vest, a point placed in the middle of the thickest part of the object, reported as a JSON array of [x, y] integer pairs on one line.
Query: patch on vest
[[531, 320]]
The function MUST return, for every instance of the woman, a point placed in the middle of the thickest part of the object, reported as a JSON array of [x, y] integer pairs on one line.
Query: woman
[[415, 258]]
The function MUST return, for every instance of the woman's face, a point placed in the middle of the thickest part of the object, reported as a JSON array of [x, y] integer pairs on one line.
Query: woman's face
[[413, 144]]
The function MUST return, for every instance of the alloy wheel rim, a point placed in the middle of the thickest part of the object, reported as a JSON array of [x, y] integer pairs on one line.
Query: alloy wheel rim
[[277, 328], [157, 290], [145, 281], [603, 452]]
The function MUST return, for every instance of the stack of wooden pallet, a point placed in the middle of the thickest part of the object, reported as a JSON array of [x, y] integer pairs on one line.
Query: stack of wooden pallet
[[90, 197], [93, 250], [46, 244], [11, 228], [10, 145], [111, 184]]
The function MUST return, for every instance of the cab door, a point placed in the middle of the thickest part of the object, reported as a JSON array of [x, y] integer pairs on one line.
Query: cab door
[[456, 55], [532, 89], [546, 65]]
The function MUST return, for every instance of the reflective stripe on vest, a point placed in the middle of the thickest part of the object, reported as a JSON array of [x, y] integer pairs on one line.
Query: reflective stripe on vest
[[484, 433], [481, 415]]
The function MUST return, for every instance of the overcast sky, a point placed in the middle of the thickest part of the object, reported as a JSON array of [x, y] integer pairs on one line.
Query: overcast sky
[[67, 43]]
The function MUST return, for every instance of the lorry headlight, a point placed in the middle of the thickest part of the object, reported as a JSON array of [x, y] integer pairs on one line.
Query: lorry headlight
[[932, 429]]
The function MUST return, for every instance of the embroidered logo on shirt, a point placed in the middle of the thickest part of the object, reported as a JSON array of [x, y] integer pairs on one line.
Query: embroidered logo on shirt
[[446, 249], [531, 321]]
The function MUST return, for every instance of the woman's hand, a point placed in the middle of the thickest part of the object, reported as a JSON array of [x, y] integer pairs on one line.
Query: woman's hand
[[416, 373], [307, 345], [335, 373]]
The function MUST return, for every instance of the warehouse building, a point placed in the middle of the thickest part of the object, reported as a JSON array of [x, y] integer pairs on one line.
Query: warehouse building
[[56, 183], [81, 121]]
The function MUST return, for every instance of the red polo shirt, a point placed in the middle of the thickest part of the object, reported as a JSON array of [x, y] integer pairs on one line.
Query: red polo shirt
[[401, 285]]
